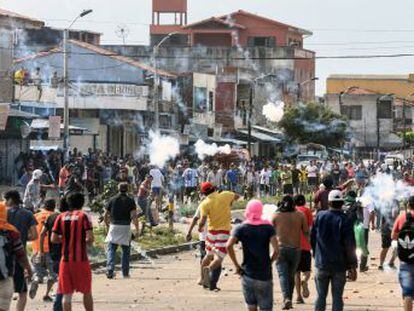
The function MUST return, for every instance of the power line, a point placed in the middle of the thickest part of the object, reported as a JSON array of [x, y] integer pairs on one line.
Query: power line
[[358, 42]]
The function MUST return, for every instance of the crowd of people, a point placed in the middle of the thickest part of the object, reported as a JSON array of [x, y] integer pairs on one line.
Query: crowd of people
[[319, 216]]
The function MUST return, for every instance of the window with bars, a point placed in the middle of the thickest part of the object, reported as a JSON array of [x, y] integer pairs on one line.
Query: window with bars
[[385, 109], [352, 112]]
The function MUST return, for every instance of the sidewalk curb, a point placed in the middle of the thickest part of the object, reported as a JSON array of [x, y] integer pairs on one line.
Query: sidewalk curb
[[153, 253]]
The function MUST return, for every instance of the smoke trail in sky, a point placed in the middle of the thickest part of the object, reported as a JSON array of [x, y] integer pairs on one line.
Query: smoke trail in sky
[[208, 150], [274, 111], [162, 148]]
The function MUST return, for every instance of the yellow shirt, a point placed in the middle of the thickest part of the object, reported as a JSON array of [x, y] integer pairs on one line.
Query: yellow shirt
[[217, 208]]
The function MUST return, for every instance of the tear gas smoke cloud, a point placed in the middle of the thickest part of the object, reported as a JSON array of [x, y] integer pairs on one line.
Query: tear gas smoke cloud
[[204, 150], [274, 111], [162, 148], [383, 191], [268, 211]]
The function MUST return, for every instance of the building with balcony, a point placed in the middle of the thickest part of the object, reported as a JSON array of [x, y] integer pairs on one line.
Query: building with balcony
[[375, 119], [9, 22], [236, 48], [363, 91], [109, 95]]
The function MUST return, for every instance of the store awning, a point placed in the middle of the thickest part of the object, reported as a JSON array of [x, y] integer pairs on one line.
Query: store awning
[[41, 124], [262, 137]]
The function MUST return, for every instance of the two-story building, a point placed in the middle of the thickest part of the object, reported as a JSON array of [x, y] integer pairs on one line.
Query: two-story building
[[9, 22], [110, 95], [376, 120]]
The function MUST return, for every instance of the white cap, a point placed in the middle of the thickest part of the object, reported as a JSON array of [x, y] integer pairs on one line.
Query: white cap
[[37, 174], [335, 196]]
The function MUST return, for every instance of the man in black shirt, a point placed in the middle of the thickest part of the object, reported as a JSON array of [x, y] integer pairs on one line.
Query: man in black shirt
[[120, 212], [256, 271]]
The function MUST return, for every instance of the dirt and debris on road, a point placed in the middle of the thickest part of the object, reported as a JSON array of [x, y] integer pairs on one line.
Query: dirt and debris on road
[[169, 283]]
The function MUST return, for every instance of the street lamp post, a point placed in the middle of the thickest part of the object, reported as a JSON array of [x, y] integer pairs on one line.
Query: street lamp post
[[379, 99], [249, 120], [407, 99], [299, 88], [156, 79], [66, 82]]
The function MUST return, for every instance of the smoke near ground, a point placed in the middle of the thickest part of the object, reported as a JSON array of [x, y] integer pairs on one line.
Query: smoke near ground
[[204, 150], [162, 148]]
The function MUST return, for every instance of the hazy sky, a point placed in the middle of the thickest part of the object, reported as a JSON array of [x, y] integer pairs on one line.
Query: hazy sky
[[351, 27]]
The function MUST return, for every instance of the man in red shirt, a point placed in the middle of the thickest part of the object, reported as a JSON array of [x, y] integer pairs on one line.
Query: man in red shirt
[[302, 289], [406, 272], [74, 230]]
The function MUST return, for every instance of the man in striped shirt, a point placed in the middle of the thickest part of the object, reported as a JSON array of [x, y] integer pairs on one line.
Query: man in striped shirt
[[216, 209], [74, 230]]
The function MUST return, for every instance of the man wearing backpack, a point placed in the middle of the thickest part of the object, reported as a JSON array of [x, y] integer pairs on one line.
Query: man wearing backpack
[[11, 249], [403, 235]]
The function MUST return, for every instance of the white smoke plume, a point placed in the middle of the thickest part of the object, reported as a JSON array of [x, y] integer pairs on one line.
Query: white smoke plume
[[268, 211], [383, 191], [208, 150], [274, 111], [162, 148]]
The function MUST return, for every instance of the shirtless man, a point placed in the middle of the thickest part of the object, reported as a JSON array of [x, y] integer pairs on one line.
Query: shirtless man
[[289, 224]]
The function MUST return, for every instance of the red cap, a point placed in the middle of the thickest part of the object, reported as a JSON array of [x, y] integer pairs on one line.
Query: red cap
[[206, 187]]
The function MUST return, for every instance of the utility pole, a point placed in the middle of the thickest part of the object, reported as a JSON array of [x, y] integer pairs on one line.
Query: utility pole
[[65, 94], [249, 120], [299, 88], [66, 84], [379, 100], [155, 52], [378, 126], [404, 125]]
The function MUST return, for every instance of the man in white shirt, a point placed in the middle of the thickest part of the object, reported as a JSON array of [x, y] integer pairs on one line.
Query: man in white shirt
[[190, 176], [157, 184], [312, 171], [265, 181]]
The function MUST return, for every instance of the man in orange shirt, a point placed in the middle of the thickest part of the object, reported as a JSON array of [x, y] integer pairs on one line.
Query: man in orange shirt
[[41, 260]]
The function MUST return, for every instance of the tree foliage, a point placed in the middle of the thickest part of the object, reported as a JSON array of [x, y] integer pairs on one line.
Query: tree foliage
[[305, 123]]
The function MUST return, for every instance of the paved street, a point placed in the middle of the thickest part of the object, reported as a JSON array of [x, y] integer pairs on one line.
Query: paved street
[[169, 284]]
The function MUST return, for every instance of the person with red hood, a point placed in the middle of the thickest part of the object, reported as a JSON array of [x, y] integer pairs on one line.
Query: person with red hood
[[255, 234]]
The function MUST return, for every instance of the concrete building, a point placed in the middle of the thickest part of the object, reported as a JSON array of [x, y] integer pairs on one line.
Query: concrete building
[[9, 22], [242, 45], [374, 118], [400, 85], [110, 95]]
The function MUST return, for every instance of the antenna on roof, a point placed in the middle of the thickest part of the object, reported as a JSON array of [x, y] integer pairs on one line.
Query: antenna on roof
[[122, 31]]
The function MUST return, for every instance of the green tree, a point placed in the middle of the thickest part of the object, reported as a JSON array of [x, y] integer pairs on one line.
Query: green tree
[[315, 123]]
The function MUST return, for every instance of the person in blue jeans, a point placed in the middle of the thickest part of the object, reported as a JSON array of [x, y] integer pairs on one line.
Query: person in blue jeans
[[120, 212], [255, 234], [290, 224], [403, 226], [334, 249]]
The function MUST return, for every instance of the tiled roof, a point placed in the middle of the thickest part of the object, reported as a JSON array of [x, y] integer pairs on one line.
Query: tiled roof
[[15, 15], [101, 51], [218, 20], [398, 101], [368, 77]]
